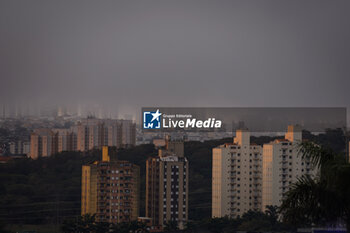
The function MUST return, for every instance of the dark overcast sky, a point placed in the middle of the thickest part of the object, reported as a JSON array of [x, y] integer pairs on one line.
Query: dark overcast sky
[[176, 53]]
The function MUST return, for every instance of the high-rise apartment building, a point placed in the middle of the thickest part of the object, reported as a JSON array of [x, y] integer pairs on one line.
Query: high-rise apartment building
[[66, 140], [90, 134], [46, 142], [283, 165], [95, 133], [167, 185], [110, 189], [19, 147], [87, 135], [42, 143], [236, 177], [249, 177]]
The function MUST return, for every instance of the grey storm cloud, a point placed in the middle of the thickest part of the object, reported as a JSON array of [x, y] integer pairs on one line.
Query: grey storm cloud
[[129, 54]]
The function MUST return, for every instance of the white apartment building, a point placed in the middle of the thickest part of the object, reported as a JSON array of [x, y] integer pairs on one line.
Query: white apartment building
[[236, 177], [282, 166]]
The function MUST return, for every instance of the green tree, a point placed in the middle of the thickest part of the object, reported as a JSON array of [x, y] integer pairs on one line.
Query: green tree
[[100, 227], [171, 226], [323, 200], [218, 225], [272, 214], [84, 224], [3, 227], [254, 221], [127, 227]]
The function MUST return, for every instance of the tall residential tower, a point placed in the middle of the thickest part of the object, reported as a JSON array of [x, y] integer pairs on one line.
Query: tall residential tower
[[283, 165], [43, 143], [236, 178], [110, 189], [167, 185]]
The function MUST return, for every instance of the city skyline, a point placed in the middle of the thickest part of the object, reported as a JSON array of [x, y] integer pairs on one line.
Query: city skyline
[[174, 116]]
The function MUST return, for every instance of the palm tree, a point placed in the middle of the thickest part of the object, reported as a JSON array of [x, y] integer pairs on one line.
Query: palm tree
[[82, 224], [272, 213], [320, 200]]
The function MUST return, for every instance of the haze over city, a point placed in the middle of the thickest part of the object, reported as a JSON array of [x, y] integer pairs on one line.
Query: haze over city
[[122, 55]]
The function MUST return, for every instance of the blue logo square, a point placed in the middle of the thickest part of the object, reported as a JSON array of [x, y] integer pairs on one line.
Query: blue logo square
[[152, 120]]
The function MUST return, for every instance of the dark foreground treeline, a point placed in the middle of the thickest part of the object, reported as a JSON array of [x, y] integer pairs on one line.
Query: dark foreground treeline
[[47, 190], [251, 221]]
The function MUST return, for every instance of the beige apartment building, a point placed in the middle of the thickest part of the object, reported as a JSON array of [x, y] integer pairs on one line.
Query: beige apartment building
[[110, 189], [90, 135], [46, 142], [282, 166], [66, 140], [249, 177], [42, 143], [167, 185], [86, 135], [20, 147], [95, 133], [236, 177]]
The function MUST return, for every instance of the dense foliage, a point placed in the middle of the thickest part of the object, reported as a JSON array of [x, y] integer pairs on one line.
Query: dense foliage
[[87, 224], [252, 221], [323, 200]]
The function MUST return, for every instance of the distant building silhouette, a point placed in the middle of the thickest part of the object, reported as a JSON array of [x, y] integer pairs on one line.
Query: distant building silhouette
[[88, 134], [43, 143]]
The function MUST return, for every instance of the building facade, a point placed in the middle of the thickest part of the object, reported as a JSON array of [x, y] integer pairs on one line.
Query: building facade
[[66, 140], [236, 177], [283, 165], [167, 185], [43, 143], [110, 189], [87, 135], [95, 133], [19, 147]]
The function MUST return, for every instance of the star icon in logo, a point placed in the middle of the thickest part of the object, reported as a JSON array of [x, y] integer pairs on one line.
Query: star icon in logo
[[156, 115]]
